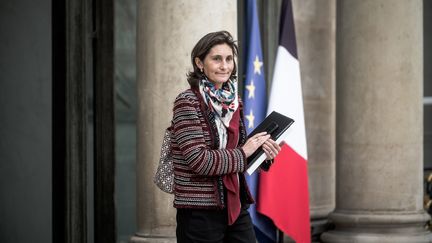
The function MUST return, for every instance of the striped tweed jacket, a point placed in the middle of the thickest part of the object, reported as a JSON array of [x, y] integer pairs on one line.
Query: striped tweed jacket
[[198, 163]]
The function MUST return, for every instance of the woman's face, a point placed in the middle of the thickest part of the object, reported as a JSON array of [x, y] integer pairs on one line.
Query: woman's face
[[218, 64]]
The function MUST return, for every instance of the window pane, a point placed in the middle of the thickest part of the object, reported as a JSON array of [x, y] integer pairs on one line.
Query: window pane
[[125, 81]]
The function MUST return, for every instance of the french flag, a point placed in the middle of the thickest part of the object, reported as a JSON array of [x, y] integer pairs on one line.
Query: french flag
[[284, 195]]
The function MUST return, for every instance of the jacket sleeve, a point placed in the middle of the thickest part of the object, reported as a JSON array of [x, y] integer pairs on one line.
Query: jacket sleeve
[[190, 138]]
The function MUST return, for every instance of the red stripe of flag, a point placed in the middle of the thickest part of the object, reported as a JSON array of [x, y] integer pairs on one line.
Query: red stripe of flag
[[283, 192]]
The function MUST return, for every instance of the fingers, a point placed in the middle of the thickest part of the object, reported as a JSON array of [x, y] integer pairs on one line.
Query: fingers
[[273, 145], [259, 138], [255, 142], [271, 148], [269, 152], [269, 155], [258, 135]]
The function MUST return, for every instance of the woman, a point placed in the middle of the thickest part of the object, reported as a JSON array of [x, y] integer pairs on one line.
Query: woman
[[210, 150]]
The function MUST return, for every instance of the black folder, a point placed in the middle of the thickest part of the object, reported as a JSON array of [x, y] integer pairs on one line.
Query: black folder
[[277, 126]]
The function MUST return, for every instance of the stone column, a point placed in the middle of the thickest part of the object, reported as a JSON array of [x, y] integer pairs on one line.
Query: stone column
[[379, 123], [316, 36], [167, 31]]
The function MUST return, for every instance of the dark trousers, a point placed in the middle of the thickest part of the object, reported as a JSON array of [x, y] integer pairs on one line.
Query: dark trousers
[[196, 226]]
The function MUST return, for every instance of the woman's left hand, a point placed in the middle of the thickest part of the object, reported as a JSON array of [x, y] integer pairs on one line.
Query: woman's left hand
[[271, 149]]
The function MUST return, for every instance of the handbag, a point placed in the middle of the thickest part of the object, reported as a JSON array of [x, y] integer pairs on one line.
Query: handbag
[[164, 176]]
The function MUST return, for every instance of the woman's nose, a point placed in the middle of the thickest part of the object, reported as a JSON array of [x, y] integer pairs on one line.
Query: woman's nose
[[223, 65]]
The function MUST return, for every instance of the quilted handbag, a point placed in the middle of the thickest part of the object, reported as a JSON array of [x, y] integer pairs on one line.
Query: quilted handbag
[[164, 177]]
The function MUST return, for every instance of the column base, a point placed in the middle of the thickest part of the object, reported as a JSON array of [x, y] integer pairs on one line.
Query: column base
[[344, 237], [318, 227], [378, 227], [152, 239]]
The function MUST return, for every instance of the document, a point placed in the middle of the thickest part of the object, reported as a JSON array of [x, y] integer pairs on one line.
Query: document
[[277, 126]]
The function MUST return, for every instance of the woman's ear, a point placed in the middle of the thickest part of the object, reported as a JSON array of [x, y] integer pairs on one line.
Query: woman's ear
[[199, 63]]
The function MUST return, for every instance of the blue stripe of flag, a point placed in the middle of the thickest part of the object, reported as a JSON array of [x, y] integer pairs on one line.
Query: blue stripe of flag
[[255, 105]]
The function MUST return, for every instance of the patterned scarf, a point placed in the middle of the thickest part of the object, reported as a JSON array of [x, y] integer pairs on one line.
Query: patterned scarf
[[223, 102]]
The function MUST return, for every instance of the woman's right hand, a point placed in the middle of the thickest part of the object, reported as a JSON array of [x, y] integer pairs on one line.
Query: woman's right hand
[[253, 143]]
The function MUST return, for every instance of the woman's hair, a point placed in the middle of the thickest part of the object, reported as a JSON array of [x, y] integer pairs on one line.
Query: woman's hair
[[202, 48]]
